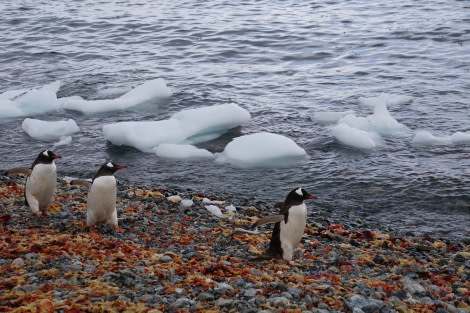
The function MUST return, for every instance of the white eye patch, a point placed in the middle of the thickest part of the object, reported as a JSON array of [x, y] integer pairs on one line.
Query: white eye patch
[[109, 164], [299, 192], [46, 153]]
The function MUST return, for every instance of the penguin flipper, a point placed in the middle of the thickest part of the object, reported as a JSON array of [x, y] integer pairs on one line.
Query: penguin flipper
[[268, 220]]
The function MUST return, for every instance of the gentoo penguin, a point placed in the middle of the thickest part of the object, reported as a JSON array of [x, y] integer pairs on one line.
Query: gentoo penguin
[[41, 183], [101, 203], [289, 226]]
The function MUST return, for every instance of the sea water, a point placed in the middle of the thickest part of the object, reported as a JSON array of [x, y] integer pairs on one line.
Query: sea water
[[286, 62]]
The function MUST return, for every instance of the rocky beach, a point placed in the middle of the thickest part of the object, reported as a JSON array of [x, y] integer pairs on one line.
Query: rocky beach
[[178, 253]]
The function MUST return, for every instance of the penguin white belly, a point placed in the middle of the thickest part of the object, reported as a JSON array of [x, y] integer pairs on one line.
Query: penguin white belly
[[101, 203], [292, 231], [40, 186]]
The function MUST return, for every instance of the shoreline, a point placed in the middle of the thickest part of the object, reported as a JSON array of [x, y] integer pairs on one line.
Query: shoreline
[[175, 258]]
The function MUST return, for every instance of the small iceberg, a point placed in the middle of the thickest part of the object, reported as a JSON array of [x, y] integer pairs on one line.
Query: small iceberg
[[425, 138], [185, 127], [17, 103], [149, 90], [261, 149], [387, 99], [177, 152], [366, 132], [50, 130]]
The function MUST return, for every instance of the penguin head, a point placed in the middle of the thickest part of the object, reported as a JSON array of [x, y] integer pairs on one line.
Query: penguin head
[[46, 157], [108, 169], [299, 194]]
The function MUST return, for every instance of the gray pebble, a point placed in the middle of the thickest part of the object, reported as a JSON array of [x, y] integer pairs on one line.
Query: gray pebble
[[18, 261], [166, 258], [278, 300], [256, 272], [206, 296], [223, 302], [250, 292], [72, 267], [89, 268]]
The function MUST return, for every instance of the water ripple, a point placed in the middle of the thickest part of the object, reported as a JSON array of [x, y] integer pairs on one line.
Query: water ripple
[[283, 61]]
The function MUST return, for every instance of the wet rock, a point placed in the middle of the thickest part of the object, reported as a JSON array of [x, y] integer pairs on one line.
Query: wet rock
[[19, 262], [166, 258], [223, 302], [358, 302], [411, 286], [276, 301]]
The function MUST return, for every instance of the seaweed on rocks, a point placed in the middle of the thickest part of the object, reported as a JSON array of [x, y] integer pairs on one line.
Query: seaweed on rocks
[[178, 258]]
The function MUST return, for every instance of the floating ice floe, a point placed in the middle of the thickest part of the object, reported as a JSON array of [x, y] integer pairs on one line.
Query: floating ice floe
[[147, 91], [366, 132], [27, 102], [49, 130], [357, 138], [261, 149], [329, 117], [425, 138], [178, 152], [63, 141], [17, 103], [387, 99], [185, 127]]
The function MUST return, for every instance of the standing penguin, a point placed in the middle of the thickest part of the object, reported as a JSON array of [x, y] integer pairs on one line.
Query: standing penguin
[[289, 226], [101, 203], [41, 183]]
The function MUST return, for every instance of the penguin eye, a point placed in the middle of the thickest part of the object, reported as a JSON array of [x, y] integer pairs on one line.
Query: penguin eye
[[110, 165], [299, 192]]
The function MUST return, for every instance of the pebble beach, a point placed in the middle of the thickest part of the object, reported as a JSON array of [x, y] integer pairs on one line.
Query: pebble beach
[[175, 255]]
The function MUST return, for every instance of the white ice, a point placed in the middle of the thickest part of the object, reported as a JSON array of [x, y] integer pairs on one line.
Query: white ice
[[388, 99], [425, 138], [16, 103], [366, 132], [187, 203], [147, 91], [63, 141], [178, 152], [49, 130], [29, 102], [329, 117], [186, 127], [231, 208], [381, 121], [209, 201], [215, 210], [261, 149], [356, 138]]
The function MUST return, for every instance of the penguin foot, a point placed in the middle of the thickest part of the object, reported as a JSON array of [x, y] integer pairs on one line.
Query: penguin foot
[[92, 229], [293, 263], [118, 229], [38, 213]]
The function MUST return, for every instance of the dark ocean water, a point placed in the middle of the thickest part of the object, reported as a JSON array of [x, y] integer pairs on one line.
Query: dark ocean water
[[283, 62]]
